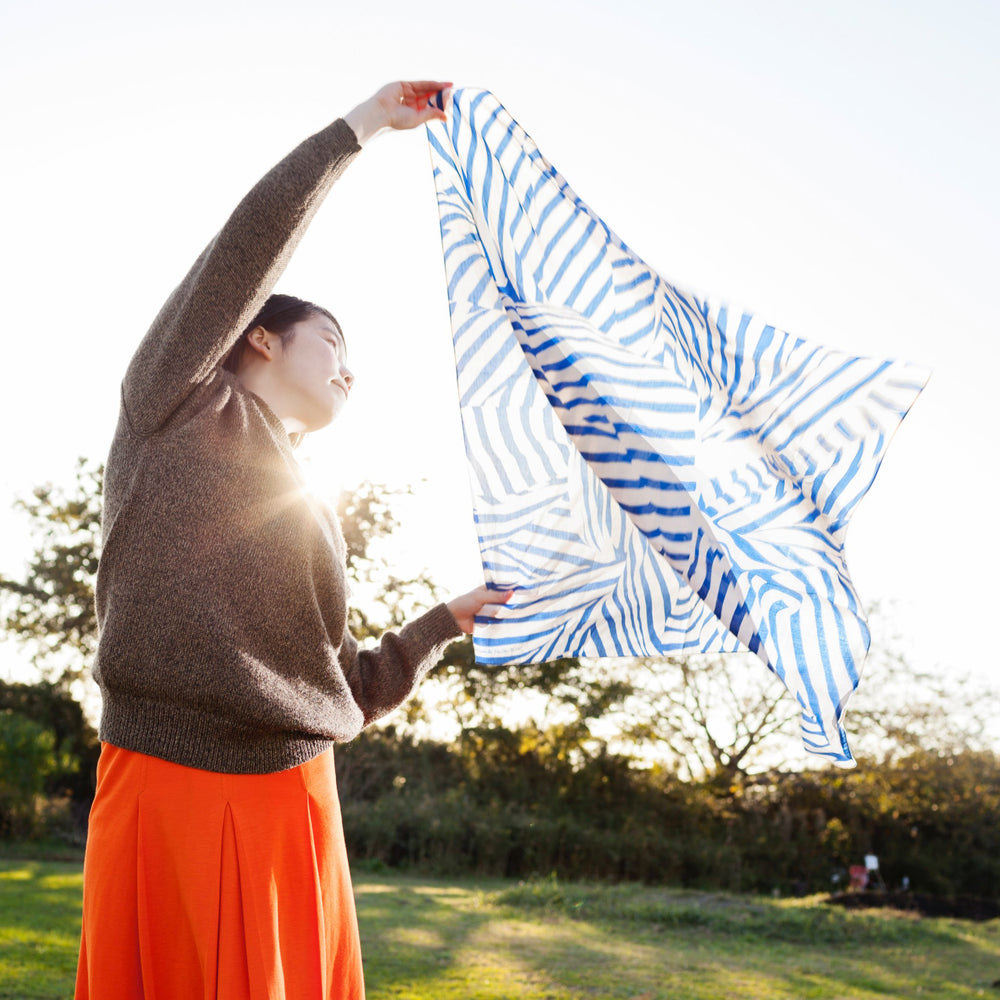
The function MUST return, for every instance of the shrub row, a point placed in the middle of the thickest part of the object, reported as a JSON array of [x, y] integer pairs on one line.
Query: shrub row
[[477, 808]]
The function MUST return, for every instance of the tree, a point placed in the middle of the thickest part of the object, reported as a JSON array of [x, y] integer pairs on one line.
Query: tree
[[367, 520], [52, 609], [720, 717], [60, 715], [27, 757], [901, 709], [562, 699], [713, 715]]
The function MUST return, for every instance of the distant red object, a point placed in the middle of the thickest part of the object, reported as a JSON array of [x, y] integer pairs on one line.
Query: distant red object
[[859, 876]]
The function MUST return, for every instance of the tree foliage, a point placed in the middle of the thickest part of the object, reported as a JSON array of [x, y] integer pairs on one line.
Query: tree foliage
[[27, 758], [712, 715], [388, 600], [900, 709], [57, 712], [497, 802], [566, 693], [51, 611], [725, 717]]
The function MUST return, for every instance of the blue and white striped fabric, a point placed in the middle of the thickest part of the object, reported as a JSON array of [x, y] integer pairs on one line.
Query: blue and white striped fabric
[[653, 473]]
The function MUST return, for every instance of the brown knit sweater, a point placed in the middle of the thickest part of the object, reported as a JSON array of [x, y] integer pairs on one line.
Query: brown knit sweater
[[221, 591]]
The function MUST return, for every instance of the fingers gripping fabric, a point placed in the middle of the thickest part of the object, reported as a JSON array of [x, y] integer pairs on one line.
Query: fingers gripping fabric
[[653, 473]]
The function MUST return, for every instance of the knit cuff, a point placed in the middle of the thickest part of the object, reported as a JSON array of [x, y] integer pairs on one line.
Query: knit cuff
[[434, 630]]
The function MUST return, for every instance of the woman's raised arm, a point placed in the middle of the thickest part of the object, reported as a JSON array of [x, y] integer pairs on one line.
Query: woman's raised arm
[[236, 272]]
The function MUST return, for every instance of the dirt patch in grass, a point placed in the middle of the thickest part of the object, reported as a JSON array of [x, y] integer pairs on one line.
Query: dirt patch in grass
[[960, 907]]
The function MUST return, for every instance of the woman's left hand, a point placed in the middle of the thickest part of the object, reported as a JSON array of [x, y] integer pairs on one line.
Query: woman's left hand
[[399, 105], [466, 607]]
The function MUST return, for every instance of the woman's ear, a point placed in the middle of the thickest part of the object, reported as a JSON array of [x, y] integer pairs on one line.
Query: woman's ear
[[262, 341]]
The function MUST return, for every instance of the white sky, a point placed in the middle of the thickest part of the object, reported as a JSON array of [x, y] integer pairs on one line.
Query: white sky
[[832, 167]]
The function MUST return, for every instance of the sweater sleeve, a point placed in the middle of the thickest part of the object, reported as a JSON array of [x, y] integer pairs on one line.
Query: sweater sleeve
[[230, 281], [381, 679]]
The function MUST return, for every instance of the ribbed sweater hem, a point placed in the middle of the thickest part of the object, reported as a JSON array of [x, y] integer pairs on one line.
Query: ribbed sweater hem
[[183, 735]]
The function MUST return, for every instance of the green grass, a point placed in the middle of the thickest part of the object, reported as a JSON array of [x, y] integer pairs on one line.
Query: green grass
[[426, 939], [563, 941], [39, 928]]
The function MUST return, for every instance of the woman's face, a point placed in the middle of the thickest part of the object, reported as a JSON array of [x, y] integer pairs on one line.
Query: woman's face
[[312, 368]]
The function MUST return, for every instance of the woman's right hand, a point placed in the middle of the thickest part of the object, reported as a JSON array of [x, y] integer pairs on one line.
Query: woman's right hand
[[399, 105], [465, 608]]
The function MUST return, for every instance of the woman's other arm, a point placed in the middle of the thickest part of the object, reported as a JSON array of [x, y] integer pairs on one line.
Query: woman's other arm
[[382, 678]]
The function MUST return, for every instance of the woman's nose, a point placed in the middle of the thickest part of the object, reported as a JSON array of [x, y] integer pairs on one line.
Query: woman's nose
[[347, 375]]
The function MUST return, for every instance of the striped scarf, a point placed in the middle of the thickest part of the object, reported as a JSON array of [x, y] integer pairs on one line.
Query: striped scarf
[[653, 473]]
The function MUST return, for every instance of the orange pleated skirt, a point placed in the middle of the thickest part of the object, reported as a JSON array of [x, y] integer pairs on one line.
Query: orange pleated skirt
[[206, 886]]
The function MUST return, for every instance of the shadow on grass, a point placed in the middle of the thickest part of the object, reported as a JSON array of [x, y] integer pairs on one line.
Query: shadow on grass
[[414, 933], [712, 945]]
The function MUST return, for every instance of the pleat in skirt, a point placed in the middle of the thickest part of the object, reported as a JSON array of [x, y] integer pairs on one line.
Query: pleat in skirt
[[206, 886]]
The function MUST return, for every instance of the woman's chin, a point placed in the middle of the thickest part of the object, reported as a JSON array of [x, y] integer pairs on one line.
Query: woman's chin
[[321, 420]]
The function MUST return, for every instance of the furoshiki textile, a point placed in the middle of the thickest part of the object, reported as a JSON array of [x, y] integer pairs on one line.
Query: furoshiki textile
[[653, 473]]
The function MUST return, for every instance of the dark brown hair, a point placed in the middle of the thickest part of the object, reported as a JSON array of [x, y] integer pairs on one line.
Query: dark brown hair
[[278, 315]]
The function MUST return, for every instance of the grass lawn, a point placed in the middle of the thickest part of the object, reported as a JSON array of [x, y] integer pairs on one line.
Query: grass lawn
[[428, 939]]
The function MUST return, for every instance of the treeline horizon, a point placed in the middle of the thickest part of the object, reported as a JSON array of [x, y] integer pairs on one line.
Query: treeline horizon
[[505, 803], [512, 803]]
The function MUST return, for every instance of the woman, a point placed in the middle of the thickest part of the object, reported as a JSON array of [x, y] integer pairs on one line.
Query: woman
[[215, 862]]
